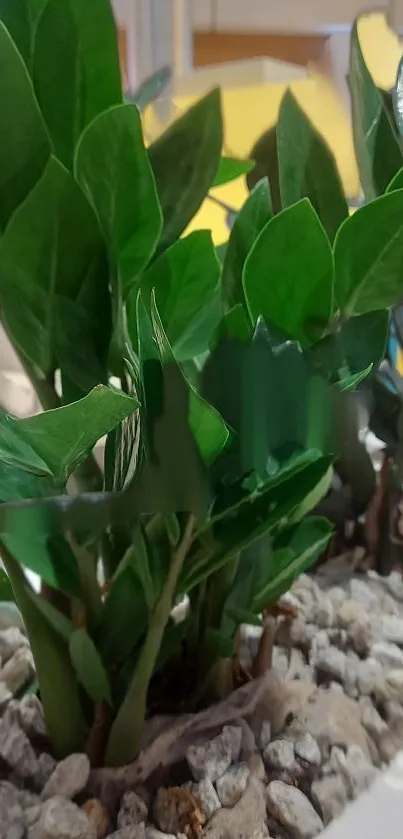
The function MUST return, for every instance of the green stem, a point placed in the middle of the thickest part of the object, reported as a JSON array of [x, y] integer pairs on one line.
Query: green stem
[[91, 594], [125, 736]]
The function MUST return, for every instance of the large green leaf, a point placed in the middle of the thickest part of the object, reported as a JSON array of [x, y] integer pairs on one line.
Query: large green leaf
[[48, 556], [57, 441], [123, 620], [288, 275], [50, 247], [396, 182], [125, 197], [88, 666], [377, 149], [250, 221], [264, 153], [353, 346], [368, 254], [293, 552], [186, 282], [6, 591], [231, 168], [185, 161], [24, 143], [307, 167], [76, 68]]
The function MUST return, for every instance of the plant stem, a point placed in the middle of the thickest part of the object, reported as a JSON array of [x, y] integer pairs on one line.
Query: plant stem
[[91, 594], [124, 741]]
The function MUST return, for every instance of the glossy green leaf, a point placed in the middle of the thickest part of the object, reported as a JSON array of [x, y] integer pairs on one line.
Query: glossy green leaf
[[79, 347], [396, 182], [55, 674], [62, 625], [124, 619], [352, 382], [307, 167], [21, 162], [293, 552], [265, 155], [88, 666], [231, 168], [6, 591], [125, 198], [368, 254], [186, 282], [185, 160], [357, 344], [51, 246], [376, 146], [57, 441], [151, 89], [250, 221], [208, 428], [76, 69], [288, 275], [48, 556]]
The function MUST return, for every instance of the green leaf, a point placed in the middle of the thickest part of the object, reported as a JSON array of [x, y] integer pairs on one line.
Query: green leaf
[[55, 674], [368, 255], [57, 441], [357, 344], [76, 69], [352, 382], [396, 182], [24, 143], [265, 155], [62, 625], [125, 198], [88, 666], [288, 275], [124, 619], [294, 551], [307, 167], [208, 428], [185, 160], [150, 89], [376, 146], [49, 557], [50, 247], [231, 168], [250, 221], [186, 282], [6, 591]]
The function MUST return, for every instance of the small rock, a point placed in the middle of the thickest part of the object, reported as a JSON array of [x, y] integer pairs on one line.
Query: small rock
[[265, 735], [330, 795], [333, 719], [14, 829], [394, 685], [213, 758], [16, 750], [18, 670], [307, 750], [61, 819], [150, 833], [246, 819], [362, 593], [138, 831], [298, 633], [394, 584], [393, 712], [69, 778], [337, 595], [279, 754], [325, 613], [280, 659], [31, 717], [11, 816], [5, 696], [355, 769], [11, 640], [205, 793], [45, 768], [349, 612], [391, 628], [389, 655], [232, 785], [372, 720], [133, 810], [293, 810], [351, 674], [10, 616], [176, 808], [98, 816], [32, 815], [370, 676], [331, 662]]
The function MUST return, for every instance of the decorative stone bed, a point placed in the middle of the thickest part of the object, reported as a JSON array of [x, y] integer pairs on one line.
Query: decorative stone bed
[[331, 720]]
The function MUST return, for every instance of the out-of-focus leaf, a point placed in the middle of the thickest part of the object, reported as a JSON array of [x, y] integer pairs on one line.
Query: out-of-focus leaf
[[208, 428], [376, 146], [49, 248], [62, 625], [49, 557], [185, 160], [88, 666], [57, 441], [21, 19], [352, 382], [125, 198], [396, 182], [230, 168], [265, 155], [6, 591], [368, 254], [186, 282], [24, 143], [288, 275], [76, 69], [293, 552], [250, 221], [150, 89], [357, 344], [307, 167], [124, 619]]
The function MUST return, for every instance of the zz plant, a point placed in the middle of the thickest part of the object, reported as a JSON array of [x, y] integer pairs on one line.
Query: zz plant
[[220, 437]]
